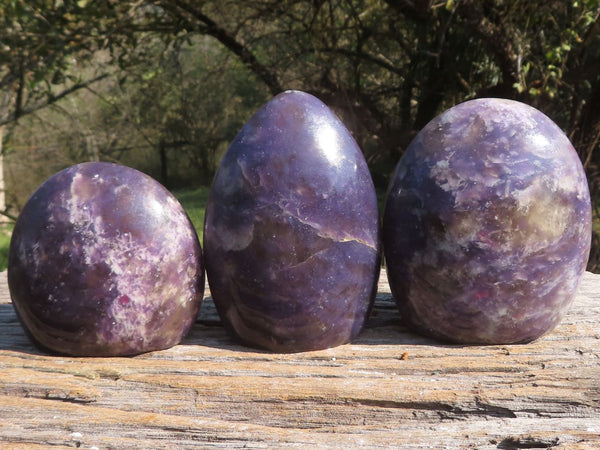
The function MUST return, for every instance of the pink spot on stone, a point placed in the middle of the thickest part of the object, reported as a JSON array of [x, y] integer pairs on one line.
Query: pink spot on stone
[[124, 300], [481, 294]]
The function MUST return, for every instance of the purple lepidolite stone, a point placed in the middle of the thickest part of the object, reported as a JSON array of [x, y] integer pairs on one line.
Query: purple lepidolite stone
[[487, 225], [104, 262], [291, 230]]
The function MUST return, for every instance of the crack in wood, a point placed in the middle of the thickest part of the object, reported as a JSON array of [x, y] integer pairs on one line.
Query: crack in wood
[[67, 398], [444, 410], [513, 443]]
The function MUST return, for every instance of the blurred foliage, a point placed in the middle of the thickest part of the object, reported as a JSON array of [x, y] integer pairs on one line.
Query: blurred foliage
[[194, 203], [5, 233], [164, 85]]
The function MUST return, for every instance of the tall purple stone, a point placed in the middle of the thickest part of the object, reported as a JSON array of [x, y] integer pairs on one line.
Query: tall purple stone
[[105, 262], [487, 225], [291, 231]]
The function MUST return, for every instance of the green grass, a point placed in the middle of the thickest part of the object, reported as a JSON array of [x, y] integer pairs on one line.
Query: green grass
[[5, 233], [194, 203]]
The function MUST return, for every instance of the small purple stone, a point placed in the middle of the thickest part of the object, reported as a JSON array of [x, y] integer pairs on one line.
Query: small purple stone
[[291, 232], [487, 225], [105, 262]]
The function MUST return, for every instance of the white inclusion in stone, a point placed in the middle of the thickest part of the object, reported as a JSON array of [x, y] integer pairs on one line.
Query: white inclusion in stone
[[235, 239], [442, 164]]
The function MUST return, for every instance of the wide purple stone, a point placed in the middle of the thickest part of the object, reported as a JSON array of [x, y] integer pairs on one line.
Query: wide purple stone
[[104, 262], [291, 231], [487, 225]]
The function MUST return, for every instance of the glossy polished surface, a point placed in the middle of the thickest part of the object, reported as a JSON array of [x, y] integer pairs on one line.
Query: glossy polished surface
[[105, 262], [487, 225], [291, 230]]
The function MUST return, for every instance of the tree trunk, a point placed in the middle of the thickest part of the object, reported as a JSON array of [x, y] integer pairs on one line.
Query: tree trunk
[[3, 218], [500, 42], [164, 173]]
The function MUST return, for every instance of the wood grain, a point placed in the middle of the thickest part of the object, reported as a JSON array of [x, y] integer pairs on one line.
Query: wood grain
[[390, 389]]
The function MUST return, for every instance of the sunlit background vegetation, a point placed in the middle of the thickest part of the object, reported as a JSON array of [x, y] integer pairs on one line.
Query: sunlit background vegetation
[[164, 85]]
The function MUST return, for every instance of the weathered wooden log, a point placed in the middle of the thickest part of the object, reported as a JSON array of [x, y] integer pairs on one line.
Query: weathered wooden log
[[389, 388]]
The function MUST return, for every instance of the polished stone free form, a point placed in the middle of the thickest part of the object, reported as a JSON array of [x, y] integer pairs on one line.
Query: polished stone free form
[[291, 230], [105, 262], [487, 225]]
